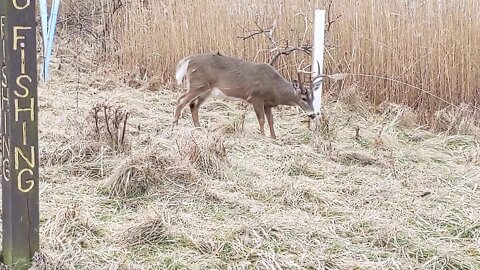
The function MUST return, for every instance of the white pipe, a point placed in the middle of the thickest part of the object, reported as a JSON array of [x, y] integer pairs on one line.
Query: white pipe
[[51, 34], [318, 50]]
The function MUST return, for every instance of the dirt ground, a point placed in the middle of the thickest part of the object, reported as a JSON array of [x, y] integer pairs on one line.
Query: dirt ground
[[363, 191]]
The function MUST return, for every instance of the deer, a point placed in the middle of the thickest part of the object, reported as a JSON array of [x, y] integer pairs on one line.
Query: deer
[[216, 75]]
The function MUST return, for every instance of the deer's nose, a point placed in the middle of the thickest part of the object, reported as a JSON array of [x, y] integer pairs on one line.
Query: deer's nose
[[313, 115]]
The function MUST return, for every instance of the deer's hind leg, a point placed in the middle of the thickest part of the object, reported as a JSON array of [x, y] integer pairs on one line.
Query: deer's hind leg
[[187, 98], [195, 107]]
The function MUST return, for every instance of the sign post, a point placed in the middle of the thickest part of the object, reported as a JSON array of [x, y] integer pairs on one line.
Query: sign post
[[19, 129]]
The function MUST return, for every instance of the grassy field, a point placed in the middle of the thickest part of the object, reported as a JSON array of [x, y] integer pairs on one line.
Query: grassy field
[[363, 190]]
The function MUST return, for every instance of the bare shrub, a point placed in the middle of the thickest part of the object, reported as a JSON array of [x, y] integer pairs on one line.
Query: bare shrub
[[83, 18], [110, 125]]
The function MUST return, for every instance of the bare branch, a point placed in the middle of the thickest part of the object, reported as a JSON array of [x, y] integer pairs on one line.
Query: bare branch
[[331, 20], [267, 31], [275, 50], [305, 48]]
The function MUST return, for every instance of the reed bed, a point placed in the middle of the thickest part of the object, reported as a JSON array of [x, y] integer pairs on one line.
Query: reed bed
[[423, 54]]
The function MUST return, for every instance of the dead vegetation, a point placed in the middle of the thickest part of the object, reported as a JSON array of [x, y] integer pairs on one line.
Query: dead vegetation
[[152, 169], [359, 190], [153, 230], [362, 191], [209, 155], [109, 123], [462, 120]]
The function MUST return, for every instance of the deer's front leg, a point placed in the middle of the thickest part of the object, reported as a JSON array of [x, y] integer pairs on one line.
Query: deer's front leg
[[269, 114], [260, 112]]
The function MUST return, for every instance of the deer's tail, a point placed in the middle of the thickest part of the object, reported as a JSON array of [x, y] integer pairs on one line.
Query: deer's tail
[[182, 68]]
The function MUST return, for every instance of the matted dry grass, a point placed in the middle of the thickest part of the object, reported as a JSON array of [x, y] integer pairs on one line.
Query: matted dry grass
[[366, 192]]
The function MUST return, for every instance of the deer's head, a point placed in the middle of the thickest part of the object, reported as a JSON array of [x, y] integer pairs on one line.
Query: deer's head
[[305, 95]]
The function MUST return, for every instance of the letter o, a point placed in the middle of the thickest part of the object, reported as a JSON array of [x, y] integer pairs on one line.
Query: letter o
[[17, 6]]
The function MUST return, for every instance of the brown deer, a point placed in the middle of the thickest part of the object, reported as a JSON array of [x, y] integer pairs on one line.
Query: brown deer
[[231, 78]]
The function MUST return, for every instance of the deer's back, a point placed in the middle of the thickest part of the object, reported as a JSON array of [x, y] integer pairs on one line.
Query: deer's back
[[228, 72]]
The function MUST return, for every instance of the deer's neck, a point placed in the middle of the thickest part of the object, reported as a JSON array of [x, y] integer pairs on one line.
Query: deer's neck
[[287, 95]]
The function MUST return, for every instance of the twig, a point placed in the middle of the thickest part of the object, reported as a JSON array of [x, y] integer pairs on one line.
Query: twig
[[124, 128], [106, 122], [256, 32]]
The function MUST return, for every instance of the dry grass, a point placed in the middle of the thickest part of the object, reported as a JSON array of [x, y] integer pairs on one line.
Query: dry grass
[[461, 120], [208, 155], [149, 170], [150, 231], [367, 192]]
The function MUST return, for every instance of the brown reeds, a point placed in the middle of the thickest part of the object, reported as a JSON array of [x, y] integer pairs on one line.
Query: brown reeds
[[421, 54]]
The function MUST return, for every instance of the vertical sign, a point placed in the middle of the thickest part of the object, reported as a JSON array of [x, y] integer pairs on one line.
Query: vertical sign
[[6, 227], [20, 133], [4, 120]]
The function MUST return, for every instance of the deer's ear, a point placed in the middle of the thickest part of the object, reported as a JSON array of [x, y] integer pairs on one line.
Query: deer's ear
[[296, 86]]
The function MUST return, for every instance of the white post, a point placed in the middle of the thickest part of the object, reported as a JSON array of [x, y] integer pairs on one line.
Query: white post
[[48, 29], [44, 20], [318, 49]]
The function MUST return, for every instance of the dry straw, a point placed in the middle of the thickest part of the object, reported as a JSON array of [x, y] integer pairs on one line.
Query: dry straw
[[152, 230]]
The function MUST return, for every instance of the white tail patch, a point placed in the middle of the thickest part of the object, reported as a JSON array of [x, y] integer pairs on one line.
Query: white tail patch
[[182, 68]]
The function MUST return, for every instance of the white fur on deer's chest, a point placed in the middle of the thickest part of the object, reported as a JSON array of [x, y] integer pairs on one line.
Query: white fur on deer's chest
[[217, 93]]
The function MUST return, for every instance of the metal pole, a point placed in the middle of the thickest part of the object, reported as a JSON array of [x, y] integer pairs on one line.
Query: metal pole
[[20, 135], [52, 23]]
